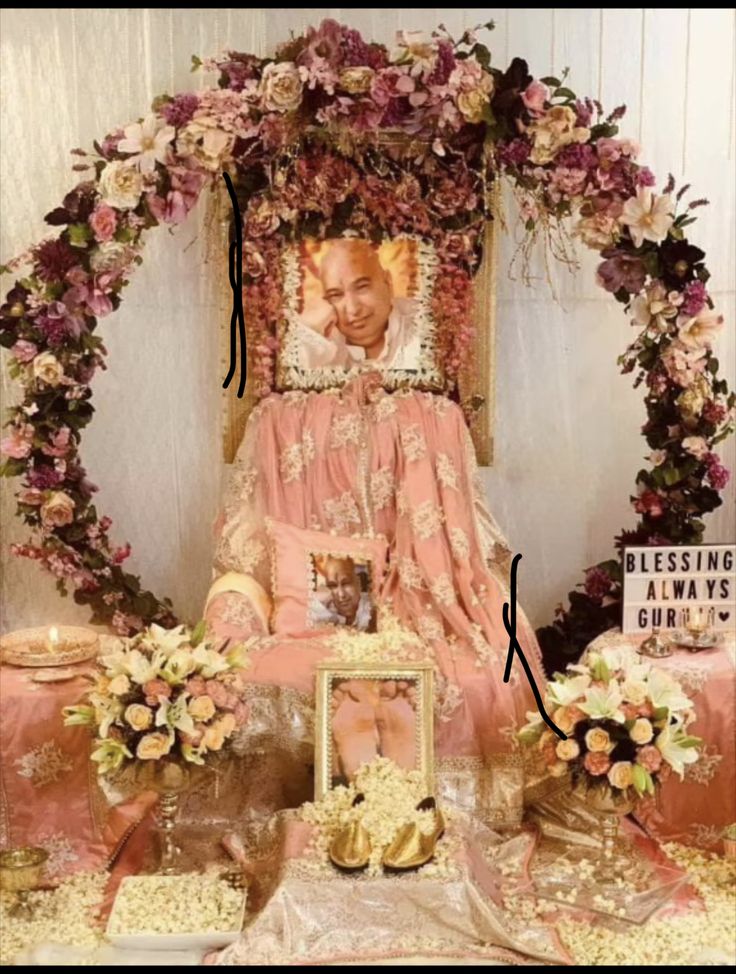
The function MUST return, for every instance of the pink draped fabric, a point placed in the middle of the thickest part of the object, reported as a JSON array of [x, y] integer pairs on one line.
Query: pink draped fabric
[[48, 793], [364, 461]]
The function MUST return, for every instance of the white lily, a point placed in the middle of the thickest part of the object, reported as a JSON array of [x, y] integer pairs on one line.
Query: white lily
[[107, 711], [140, 668], [149, 141], [178, 666], [648, 217], [165, 640], [664, 691], [209, 662], [116, 664], [566, 691], [175, 715], [671, 744], [602, 703]]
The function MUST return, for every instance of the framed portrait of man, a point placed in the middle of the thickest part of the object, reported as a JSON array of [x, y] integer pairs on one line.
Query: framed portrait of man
[[352, 304], [369, 711], [341, 592]]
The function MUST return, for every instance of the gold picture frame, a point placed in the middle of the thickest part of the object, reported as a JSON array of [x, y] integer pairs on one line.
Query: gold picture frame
[[327, 761], [476, 386]]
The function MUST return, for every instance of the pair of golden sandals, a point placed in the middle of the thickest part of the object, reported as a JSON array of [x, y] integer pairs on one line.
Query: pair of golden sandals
[[350, 850]]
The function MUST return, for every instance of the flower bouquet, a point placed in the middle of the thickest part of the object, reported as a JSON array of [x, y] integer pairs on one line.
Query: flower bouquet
[[162, 704], [625, 721]]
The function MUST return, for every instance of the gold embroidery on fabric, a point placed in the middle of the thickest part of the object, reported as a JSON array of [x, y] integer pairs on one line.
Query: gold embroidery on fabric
[[410, 574], [345, 429], [443, 590], [413, 442], [430, 628], [427, 519], [341, 512], [43, 765], [460, 544], [383, 488], [706, 767], [446, 472]]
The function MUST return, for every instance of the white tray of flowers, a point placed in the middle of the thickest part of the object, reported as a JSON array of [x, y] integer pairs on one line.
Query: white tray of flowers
[[187, 911]]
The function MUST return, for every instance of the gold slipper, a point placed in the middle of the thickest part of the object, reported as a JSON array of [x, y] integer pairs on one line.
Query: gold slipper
[[350, 850], [410, 848]]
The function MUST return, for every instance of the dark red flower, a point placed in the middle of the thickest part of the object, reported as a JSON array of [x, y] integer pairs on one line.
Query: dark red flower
[[680, 262], [53, 259]]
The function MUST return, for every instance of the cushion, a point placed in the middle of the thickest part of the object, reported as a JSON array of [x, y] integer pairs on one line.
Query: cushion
[[322, 581]]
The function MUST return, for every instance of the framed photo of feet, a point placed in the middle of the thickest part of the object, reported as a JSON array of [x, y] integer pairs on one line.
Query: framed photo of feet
[[368, 711]]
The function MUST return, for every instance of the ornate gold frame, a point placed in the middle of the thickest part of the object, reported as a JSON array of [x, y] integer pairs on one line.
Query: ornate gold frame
[[477, 386], [326, 672]]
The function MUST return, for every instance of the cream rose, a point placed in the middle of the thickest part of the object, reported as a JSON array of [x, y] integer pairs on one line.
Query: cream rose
[[597, 739], [619, 775], [153, 746], [48, 368], [472, 104], [567, 750], [205, 142], [558, 769], [139, 717], [213, 737], [554, 130], [563, 718], [58, 510], [121, 185], [119, 685], [642, 732], [227, 724], [201, 708], [110, 256], [281, 87], [356, 81]]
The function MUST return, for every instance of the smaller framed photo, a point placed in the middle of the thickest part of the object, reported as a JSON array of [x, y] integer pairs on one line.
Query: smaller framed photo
[[341, 592], [369, 711]]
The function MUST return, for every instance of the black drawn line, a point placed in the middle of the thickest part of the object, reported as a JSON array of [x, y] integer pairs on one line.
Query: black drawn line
[[236, 285], [514, 647]]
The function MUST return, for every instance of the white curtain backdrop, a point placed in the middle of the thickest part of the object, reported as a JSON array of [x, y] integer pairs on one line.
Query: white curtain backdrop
[[568, 441]]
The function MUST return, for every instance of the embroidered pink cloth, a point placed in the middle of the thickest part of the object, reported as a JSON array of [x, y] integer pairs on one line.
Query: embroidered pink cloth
[[48, 793], [364, 461], [697, 809]]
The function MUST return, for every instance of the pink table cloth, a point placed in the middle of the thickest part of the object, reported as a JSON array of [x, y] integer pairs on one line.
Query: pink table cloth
[[696, 810], [49, 794]]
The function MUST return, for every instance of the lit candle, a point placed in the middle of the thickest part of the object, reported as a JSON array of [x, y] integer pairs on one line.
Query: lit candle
[[697, 620], [52, 643]]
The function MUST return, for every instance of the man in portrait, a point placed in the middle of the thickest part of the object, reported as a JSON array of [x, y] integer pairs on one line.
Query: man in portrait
[[347, 598], [358, 319]]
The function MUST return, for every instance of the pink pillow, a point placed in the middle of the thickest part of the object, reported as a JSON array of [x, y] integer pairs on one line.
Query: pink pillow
[[321, 580]]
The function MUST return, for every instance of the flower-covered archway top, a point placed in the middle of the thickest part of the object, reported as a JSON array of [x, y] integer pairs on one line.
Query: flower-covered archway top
[[333, 133]]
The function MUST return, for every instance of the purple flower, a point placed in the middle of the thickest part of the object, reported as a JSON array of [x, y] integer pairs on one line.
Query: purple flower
[[44, 477], [695, 297], [180, 111], [53, 259], [717, 474], [577, 156], [597, 583], [584, 112], [621, 270], [514, 153], [645, 177], [444, 66]]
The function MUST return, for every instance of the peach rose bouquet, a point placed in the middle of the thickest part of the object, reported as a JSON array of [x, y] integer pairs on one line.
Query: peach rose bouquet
[[626, 723], [169, 694]]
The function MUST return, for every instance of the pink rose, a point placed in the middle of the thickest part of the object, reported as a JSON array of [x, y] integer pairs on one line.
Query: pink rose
[[104, 221], [59, 443], [218, 693], [645, 709], [24, 351], [18, 444], [155, 690], [630, 711], [534, 97], [596, 763], [196, 686], [31, 495], [649, 758]]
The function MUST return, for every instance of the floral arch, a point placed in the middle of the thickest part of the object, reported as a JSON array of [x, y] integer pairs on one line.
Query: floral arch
[[331, 134]]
